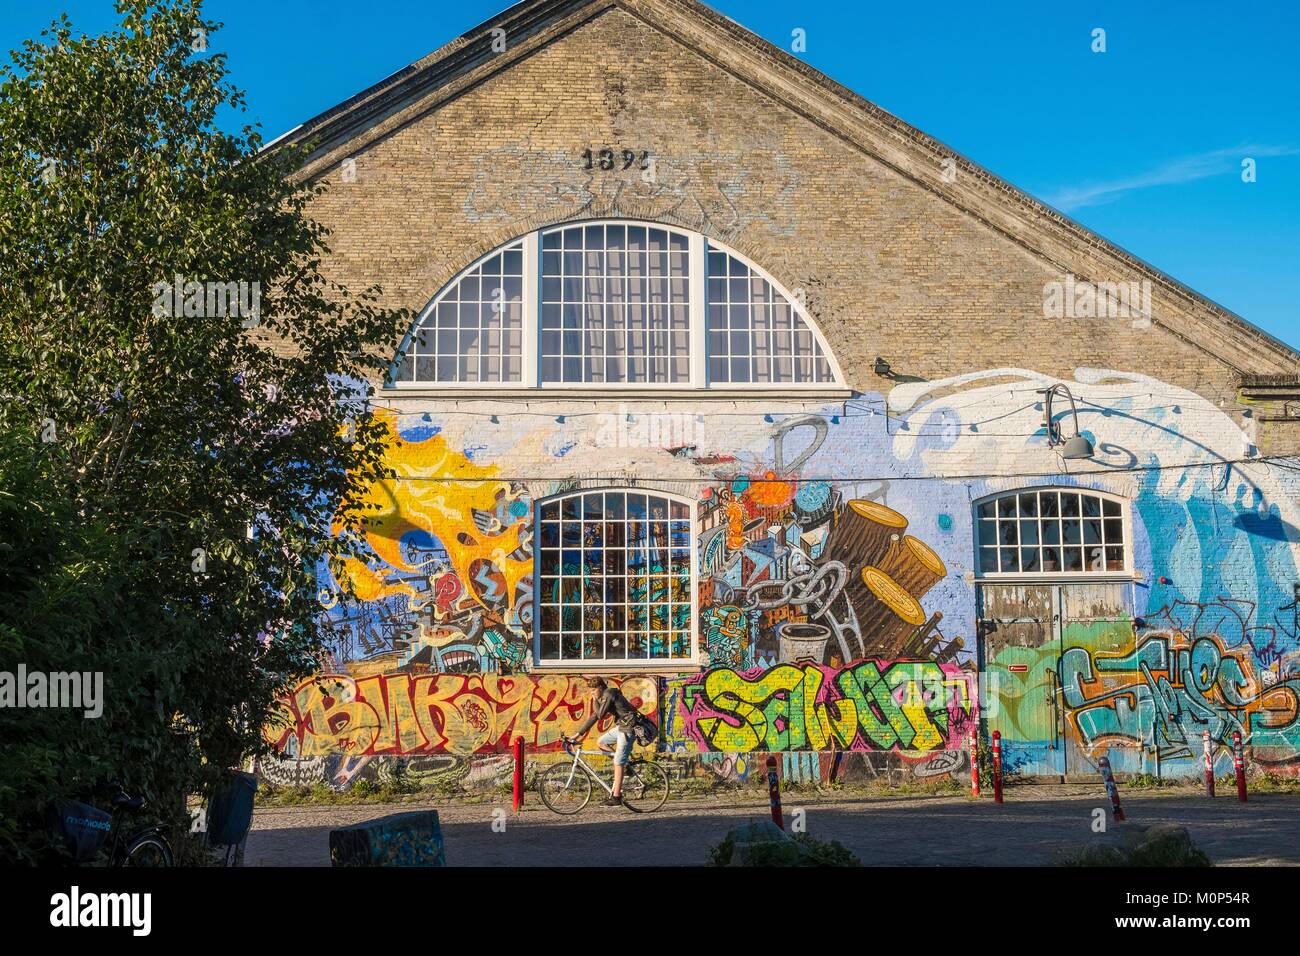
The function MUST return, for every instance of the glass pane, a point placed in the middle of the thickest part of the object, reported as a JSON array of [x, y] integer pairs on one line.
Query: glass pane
[[988, 532]]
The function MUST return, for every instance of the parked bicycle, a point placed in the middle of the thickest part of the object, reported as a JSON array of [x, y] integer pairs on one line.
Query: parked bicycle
[[83, 829], [566, 788]]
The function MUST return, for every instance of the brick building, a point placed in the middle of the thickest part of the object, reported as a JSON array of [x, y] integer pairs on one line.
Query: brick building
[[733, 386]]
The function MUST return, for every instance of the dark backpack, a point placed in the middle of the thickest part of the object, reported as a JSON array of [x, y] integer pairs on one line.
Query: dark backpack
[[646, 731]]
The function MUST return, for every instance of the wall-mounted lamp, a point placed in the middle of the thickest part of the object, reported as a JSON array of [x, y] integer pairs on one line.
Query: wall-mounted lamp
[[882, 368], [1076, 447]]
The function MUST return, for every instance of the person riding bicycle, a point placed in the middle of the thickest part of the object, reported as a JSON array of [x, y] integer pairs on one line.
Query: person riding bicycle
[[616, 740]]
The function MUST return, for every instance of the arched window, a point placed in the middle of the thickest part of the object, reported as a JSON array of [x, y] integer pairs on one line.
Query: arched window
[[614, 578], [615, 304], [1051, 531]]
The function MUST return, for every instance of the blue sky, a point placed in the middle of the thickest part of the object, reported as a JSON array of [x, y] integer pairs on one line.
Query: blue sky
[[1142, 143]]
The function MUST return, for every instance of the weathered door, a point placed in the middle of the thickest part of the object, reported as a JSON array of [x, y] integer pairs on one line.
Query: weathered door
[[1106, 706], [1019, 653]]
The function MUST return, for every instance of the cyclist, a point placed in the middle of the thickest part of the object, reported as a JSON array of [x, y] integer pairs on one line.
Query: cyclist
[[616, 740]]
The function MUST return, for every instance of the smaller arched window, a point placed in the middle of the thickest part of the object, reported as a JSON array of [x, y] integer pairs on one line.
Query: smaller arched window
[[1051, 531], [614, 578]]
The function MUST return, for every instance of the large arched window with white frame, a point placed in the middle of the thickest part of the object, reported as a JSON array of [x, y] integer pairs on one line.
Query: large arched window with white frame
[[617, 304], [1052, 531], [614, 578]]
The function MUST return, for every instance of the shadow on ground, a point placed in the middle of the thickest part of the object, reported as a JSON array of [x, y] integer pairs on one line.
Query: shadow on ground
[[1031, 829]]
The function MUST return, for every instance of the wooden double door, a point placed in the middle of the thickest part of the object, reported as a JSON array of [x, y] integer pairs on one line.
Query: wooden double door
[[1047, 651]]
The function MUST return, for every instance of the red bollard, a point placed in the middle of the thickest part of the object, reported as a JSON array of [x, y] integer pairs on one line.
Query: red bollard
[[974, 762], [1239, 765], [1209, 767], [1112, 791], [519, 774], [997, 766], [774, 792]]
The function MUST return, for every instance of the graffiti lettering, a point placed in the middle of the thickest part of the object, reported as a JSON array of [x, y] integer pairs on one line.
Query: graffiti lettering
[[871, 705]]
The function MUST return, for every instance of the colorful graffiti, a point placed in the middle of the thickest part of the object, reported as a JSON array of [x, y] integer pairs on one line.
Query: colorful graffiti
[[1166, 692], [917, 706], [832, 579], [420, 714], [448, 580], [790, 573]]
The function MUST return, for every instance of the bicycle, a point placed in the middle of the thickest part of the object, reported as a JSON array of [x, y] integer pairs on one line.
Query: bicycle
[[143, 846], [566, 788]]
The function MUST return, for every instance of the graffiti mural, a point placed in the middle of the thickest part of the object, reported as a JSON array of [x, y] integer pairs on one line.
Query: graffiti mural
[[915, 706], [406, 714], [1175, 685], [447, 580], [817, 588], [791, 573]]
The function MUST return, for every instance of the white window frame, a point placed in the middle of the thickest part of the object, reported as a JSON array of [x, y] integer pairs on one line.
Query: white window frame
[[626, 664], [1125, 514], [697, 258]]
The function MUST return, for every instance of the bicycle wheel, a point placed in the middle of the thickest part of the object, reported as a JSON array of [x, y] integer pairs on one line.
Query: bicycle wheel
[[148, 849], [645, 786], [562, 794]]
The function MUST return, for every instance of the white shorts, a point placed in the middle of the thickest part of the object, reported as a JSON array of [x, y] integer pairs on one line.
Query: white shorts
[[621, 742]]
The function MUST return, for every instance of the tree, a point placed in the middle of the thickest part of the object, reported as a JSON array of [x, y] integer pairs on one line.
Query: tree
[[182, 404]]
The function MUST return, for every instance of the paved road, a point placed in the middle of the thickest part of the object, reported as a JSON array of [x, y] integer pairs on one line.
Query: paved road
[[1031, 828]]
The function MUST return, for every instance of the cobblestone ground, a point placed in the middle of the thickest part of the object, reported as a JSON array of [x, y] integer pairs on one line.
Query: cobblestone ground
[[1033, 826]]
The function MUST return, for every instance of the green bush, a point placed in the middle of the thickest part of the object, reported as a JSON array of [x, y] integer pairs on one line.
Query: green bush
[[763, 844]]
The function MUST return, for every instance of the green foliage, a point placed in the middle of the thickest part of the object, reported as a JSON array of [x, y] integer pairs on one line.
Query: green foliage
[[1273, 783], [1146, 781], [136, 441], [1162, 846], [800, 849]]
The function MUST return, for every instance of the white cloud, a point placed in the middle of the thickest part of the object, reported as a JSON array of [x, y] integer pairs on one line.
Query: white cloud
[[1185, 170]]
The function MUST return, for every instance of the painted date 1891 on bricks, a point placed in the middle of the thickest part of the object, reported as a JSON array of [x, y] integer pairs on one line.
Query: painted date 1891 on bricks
[[608, 159]]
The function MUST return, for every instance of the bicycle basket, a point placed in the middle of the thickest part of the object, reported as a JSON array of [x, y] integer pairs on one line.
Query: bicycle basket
[[80, 828]]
